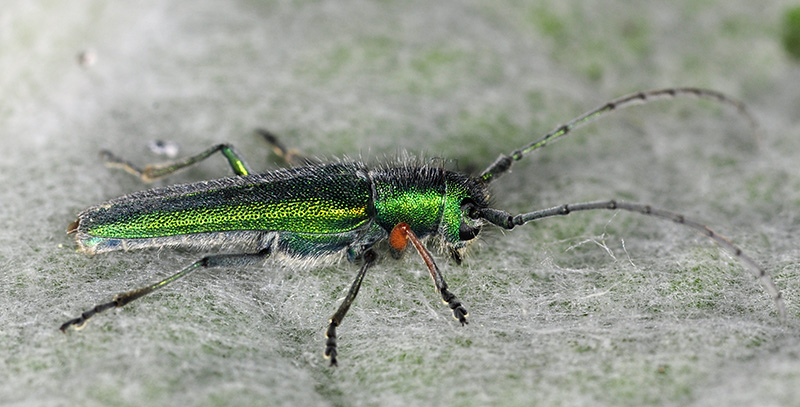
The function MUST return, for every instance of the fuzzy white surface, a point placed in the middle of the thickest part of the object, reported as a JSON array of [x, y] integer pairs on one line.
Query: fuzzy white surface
[[590, 309]]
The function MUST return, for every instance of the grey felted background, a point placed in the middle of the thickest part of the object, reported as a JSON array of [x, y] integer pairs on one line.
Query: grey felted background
[[593, 309]]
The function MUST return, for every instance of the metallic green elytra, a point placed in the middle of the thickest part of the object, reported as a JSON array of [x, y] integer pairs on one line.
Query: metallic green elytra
[[333, 201], [320, 211]]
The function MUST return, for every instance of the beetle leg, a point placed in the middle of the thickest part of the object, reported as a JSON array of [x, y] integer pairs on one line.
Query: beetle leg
[[336, 319], [400, 236]]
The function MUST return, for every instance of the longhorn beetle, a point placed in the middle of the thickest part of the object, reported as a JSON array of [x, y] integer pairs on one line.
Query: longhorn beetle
[[317, 210]]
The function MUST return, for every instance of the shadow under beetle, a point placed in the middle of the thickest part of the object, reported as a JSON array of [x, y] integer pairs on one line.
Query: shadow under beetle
[[319, 210]]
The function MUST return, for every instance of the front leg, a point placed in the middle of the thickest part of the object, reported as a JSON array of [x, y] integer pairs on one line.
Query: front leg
[[330, 346], [399, 238]]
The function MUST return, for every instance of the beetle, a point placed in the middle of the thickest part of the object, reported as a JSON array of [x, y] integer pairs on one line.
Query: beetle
[[316, 210]]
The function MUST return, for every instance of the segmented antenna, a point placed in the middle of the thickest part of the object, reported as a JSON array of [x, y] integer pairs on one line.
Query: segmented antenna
[[508, 221], [504, 162]]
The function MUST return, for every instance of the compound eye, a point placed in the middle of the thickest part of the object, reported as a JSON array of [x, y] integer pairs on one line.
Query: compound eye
[[469, 209], [468, 229], [467, 232]]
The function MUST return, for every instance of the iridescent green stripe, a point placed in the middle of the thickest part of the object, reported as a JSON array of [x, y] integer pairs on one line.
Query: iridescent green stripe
[[316, 216]]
